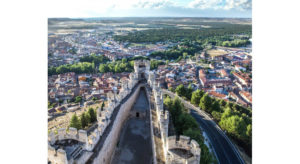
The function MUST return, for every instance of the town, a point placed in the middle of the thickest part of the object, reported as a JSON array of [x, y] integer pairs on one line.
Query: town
[[86, 64]]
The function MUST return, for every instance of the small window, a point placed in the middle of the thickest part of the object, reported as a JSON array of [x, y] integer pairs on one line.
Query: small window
[[137, 114]]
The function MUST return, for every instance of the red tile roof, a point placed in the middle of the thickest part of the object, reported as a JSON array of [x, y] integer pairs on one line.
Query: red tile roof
[[217, 95]]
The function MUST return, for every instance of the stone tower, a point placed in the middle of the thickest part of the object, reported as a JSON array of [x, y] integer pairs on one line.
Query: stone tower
[[141, 69]]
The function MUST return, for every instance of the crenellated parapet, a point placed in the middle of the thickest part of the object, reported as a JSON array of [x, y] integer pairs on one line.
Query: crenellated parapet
[[64, 134], [185, 143], [158, 97], [57, 156], [151, 79], [165, 124], [103, 118]]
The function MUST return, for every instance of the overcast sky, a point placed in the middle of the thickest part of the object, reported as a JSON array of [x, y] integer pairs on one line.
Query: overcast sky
[[151, 8]]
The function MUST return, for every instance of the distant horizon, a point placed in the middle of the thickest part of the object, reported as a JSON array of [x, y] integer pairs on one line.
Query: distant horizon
[[148, 17]]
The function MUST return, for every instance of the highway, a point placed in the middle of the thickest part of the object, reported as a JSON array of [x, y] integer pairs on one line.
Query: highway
[[226, 152]]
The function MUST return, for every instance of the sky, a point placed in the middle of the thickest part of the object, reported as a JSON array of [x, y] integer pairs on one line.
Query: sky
[[150, 8]]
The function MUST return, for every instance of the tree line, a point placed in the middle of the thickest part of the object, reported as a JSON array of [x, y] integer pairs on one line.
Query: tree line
[[186, 125], [87, 65], [236, 120], [218, 31], [93, 58], [126, 65], [117, 66], [81, 67], [176, 52], [233, 43]]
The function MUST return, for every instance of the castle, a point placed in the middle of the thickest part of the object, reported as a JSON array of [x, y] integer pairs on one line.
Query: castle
[[97, 146]]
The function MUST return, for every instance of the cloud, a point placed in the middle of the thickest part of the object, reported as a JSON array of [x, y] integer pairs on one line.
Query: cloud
[[87, 8], [205, 4], [221, 4], [238, 4], [153, 4]]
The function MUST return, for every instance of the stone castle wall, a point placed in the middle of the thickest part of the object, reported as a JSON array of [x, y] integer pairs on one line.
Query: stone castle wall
[[151, 130], [104, 156]]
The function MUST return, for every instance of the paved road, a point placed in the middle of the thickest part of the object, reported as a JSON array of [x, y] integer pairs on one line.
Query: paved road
[[225, 151]]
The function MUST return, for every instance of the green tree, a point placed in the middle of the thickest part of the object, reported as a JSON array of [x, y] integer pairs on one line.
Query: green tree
[[227, 113], [186, 121], [205, 103], [234, 125], [117, 69], [196, 96], [215, 106], [87, 117], [92, 114], [249, 133], [102, 106], [216, 115], [78, 99], [249, 130], [94, 98], [176, 109], [189, 92], [75, 123], [103, 68], [83, 120], [168, 102], [124, 60], [185, 55], [222, 102], [180, 90], [229, 105]]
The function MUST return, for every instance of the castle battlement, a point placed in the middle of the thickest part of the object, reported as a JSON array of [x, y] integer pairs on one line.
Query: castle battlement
[[57, 156], [186, 143], [72, 133]]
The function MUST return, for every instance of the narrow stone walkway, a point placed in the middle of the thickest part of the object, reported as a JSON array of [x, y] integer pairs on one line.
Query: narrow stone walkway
[[134, 146]]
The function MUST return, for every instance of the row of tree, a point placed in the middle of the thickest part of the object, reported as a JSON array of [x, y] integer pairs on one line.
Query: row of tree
[[93, 58], [236, 120], [126, 65], [155, 63], [217, 32], [186, 125], [117, 66], [81, 67], [181, 51], [88, 63], [233, 43], [86, 118]]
